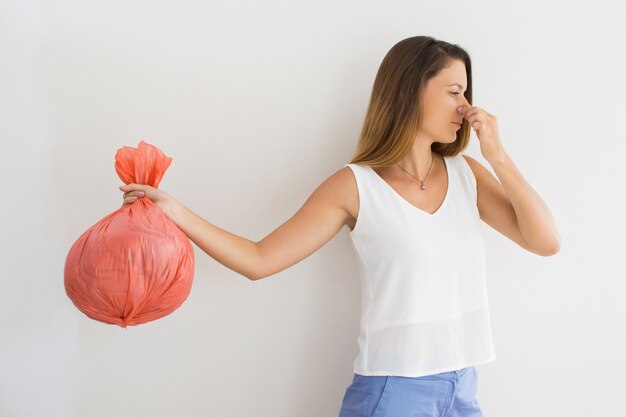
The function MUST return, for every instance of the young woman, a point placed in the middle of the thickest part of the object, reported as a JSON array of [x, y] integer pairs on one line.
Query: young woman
[[413, 204]]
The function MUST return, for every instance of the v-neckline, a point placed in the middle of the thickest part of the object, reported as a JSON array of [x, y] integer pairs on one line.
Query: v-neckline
[[408, 203]]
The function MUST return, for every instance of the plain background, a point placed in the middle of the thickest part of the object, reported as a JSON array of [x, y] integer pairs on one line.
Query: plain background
[[257, 103]]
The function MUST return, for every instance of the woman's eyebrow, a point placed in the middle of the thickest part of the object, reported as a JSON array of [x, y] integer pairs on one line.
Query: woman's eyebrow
[[456, 84]]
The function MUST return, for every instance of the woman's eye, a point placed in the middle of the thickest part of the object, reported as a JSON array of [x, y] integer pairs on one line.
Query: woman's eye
[[455, 93]]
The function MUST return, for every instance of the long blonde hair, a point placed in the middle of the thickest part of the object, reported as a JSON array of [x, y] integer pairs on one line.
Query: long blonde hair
[[394, 114]]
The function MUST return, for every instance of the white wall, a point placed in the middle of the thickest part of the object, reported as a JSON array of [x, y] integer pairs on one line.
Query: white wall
[[257, 103]]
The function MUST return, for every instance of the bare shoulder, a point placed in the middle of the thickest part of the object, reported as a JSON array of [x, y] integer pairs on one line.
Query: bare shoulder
[[471, 162], [485, 180], [478, 169], [341, 189], [494, 205], [321, 216]]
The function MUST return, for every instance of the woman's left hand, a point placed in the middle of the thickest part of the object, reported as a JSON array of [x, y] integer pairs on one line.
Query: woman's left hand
[[486, 128]]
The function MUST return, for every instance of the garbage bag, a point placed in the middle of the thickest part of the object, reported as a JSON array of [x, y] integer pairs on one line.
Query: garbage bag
[[134, 265]]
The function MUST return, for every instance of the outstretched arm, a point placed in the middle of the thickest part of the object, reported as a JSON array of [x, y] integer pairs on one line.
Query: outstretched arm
[[231, 250], [315, 223]]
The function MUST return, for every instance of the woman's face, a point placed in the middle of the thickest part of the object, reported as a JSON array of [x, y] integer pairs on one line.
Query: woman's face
[[441, 98]]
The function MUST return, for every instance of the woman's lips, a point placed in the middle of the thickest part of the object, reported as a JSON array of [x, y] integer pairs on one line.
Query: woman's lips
[[458, 124]]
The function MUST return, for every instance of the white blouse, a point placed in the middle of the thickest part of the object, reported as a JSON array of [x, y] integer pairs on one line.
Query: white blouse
[[424, 306]]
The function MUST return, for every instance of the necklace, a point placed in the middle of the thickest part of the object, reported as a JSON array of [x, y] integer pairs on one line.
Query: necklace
[[423, 186]]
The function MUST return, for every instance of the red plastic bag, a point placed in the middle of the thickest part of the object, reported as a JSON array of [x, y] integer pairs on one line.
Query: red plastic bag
[[134, 265]]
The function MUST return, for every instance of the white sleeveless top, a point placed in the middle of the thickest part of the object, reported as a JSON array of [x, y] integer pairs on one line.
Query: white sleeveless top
[[424, 303]]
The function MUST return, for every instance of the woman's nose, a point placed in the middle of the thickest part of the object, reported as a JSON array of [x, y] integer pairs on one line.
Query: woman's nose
[[463, 108]]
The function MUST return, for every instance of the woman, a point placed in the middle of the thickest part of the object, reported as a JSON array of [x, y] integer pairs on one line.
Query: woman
[[413, 204]]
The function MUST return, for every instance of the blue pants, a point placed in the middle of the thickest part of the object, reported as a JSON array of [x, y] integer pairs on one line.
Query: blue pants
[[447, 394]]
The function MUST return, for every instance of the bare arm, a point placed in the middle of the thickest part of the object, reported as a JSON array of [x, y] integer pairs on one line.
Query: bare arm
[[315, 223], [512, 207], [319, 219], [534, 219], [232, 251]]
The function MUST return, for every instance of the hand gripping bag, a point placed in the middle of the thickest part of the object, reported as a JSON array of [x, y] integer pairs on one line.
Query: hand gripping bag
[[134, 265]]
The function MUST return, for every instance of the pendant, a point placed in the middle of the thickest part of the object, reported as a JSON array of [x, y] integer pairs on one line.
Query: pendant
[[423, 187]]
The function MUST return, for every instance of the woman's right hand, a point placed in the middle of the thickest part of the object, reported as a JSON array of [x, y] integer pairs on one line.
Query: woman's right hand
[[132, 192]]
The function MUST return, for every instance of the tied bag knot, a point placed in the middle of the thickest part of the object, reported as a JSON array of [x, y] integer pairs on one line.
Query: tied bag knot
[[134, 265]]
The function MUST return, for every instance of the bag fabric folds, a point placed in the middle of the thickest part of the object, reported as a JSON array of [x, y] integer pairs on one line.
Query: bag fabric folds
[[134, 265]]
